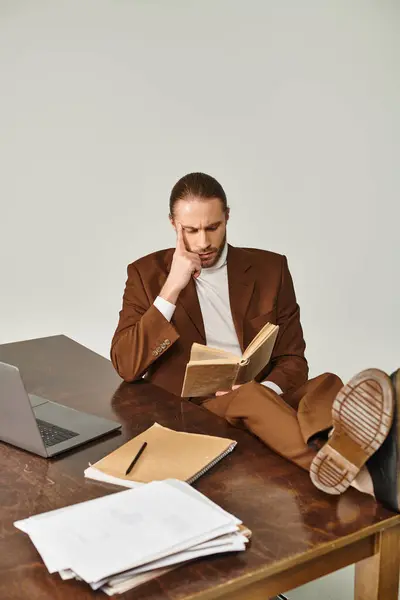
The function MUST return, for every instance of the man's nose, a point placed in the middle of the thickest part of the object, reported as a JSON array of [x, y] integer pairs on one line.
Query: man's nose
[[203, 240]]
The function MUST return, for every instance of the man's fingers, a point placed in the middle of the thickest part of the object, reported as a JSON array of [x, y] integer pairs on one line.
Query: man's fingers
[[223, 392], [192, 257], [196, 266]]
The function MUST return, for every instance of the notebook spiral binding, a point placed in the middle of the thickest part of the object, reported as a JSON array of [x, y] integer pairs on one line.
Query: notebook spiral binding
[[211, 464]]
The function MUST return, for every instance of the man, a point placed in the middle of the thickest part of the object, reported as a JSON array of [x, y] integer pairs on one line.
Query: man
[[207, 291]]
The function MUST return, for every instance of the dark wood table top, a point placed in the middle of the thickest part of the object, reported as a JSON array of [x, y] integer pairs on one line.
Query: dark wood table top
[[291, 520]]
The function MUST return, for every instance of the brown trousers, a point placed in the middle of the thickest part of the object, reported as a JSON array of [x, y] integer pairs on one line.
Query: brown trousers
[[284, 423]]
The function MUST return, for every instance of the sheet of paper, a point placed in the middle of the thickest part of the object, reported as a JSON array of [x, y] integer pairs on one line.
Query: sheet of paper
[[230, 543], [116, 582], [193, 493], [225, 543], [24, 524], [120, 588], [97, 475], [104, 564], [66, 574], [45, 540], [190, 554], [128, 529]]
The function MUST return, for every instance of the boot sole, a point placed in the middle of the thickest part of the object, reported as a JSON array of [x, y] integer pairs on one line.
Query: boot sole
[[362, 414]]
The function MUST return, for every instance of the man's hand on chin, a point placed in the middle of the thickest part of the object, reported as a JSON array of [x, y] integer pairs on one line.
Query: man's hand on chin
[[223, 392]]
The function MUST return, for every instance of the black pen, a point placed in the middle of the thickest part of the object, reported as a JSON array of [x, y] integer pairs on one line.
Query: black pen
[[136, 458]]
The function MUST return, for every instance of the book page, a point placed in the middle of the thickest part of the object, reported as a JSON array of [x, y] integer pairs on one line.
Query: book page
[[257, 354], [204, 378], [256, 342], [201, 352]]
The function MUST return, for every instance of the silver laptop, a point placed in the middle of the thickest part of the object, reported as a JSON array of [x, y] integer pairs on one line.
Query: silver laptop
[[40, 426]]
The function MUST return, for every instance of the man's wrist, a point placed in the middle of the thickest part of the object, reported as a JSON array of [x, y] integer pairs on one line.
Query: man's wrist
[[170, 292]]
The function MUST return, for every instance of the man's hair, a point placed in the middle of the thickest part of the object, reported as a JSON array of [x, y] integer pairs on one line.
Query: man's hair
[[199, 185]]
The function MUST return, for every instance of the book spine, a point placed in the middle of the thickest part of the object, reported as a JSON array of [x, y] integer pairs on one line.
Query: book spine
[[211, 464], [241, 372]]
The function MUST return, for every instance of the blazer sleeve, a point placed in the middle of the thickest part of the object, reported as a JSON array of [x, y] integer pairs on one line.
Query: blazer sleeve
[[288, 366], [143, 333]]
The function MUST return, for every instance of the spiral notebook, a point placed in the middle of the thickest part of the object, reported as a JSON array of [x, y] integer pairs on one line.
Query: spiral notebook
[[169, 454]]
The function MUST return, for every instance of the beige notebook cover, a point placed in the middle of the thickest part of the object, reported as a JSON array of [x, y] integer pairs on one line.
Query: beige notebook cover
[[169, 454]]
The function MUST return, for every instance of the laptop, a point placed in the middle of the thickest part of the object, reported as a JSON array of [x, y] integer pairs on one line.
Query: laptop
[[40, 426]]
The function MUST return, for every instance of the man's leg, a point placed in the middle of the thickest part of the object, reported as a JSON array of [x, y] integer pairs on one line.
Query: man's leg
[[384, 465], [271, 418], [282, 428], [313, 403]]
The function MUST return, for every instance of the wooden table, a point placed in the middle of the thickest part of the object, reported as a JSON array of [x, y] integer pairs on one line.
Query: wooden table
[[299, 533]]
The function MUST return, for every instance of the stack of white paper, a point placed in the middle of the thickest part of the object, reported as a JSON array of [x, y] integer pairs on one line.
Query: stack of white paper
[[119, 541]]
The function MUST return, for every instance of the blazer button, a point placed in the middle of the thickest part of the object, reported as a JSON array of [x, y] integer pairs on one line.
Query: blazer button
[[167, 342], [155, 353]]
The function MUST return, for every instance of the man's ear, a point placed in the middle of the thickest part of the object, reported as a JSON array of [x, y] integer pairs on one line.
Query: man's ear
[[227, 213]]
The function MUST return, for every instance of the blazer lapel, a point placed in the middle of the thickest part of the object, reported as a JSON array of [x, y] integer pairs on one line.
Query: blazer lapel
[[189, 301], [241, 286]]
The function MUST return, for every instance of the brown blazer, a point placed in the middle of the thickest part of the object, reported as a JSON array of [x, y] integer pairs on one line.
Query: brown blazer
[[260, 289]]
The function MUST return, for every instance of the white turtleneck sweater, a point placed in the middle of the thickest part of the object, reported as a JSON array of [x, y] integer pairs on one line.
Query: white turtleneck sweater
[[213, 293]]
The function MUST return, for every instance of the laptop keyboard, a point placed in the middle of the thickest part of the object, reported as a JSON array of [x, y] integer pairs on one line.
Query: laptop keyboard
[[53, 434]]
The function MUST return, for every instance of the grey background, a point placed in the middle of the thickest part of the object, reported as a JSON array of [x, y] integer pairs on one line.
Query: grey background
[[293, 106]]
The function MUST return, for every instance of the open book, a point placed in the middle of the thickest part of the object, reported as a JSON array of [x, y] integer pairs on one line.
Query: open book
[[211, 369]]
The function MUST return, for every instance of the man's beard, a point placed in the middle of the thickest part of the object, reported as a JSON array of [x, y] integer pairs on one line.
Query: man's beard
[[217, 256]]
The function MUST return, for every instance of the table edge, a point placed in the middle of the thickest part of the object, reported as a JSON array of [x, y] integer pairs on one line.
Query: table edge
[[296, 560]]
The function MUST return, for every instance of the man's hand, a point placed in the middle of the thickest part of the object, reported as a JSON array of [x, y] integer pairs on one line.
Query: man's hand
[[184, 265], [223, 392]]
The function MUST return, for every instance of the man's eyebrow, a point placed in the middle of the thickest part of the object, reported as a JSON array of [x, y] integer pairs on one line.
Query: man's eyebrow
[[206, 227], [214, 224]]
